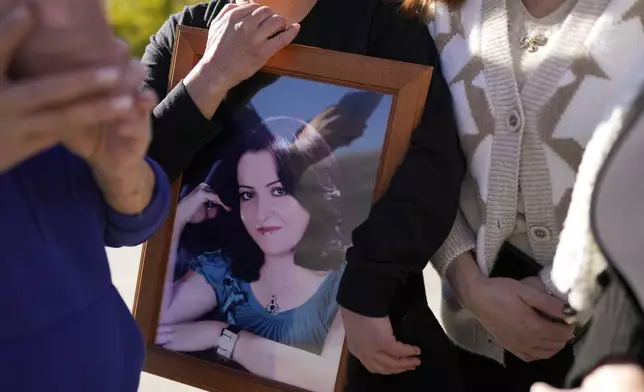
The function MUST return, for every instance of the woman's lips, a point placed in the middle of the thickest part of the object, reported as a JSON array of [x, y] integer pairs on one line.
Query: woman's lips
[[268, 230]]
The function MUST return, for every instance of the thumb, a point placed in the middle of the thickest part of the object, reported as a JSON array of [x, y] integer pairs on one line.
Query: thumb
[[14, 27], [544, 302]]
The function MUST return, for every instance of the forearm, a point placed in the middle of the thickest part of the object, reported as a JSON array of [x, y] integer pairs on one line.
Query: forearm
[[130, 191], [465, 278], [207, 95], [282, 363], [167, 315], [180, 131], [460, 240], [180, 128]]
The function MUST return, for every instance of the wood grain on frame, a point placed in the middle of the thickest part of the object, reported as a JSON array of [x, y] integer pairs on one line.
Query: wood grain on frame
[[408, 85]]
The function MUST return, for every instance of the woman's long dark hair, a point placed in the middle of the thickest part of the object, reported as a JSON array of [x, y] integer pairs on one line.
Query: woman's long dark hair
[[309, 173]]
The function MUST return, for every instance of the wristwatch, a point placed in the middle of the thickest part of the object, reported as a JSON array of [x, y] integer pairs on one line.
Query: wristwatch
[[227, 341]]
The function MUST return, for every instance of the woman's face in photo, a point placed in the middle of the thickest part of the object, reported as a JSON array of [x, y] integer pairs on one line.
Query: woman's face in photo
[[274, 219]]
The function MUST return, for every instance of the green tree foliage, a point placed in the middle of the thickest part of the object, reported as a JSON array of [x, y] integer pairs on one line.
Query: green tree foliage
[[136, 20]]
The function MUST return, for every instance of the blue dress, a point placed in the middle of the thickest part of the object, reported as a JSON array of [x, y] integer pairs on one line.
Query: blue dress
[[305, 327]]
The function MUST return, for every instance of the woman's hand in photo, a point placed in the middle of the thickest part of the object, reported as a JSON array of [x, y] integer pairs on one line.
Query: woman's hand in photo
[[241, 39], [199, 205], [189, 337], [372, 341], [607, 378]]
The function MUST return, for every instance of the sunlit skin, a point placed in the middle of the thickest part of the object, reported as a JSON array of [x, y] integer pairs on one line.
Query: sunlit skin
[[274, 219], [293, 10]]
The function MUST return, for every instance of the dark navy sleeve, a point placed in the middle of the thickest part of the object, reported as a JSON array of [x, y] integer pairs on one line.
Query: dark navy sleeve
[[132, 230]]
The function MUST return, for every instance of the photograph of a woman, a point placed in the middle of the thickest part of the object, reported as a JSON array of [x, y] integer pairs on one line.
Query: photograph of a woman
[[264, 296]]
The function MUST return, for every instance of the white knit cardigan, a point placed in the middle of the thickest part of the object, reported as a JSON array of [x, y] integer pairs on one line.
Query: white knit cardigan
[[532, 138]]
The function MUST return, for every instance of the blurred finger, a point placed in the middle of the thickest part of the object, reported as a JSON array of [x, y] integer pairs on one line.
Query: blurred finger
[[552, 344], [134, 127], [208, 195], [134, 74], [165, 329], [203, 185], [396, 365], [163, 338], [77, 117], [523, 355], [14, 27], [282, 39], [43, 93], [539, 353], [544, 302], [218, 201], [146, 101], [398, 349], [553, 331], [375, 367], [123, 49], [369, 367], [211, 196]]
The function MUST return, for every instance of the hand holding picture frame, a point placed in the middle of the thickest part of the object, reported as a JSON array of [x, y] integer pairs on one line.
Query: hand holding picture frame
[[237, 291]]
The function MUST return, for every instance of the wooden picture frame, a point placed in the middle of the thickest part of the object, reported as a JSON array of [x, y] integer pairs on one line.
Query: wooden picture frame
[[406, 84]]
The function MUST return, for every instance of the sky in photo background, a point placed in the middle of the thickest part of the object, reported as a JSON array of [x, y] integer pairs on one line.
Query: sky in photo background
[[321, 96]]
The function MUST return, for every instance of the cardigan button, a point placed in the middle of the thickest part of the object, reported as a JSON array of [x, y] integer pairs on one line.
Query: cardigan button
[[514, 121], [540, 233]]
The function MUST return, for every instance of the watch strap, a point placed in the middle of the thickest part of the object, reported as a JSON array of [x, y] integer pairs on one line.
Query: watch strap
[[228, 341]]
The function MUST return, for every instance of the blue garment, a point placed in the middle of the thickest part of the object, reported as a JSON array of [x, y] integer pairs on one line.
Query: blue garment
[[64, 327], [305, 327]]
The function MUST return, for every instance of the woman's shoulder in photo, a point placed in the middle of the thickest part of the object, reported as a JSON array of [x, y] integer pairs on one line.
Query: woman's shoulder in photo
[[214, 266]]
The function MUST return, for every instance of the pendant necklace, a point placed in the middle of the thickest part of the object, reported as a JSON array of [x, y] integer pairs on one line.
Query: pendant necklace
[[273, 307]]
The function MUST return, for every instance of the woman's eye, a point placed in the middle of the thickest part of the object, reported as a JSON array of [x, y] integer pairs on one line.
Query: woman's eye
[[245, 195], [279, 192]]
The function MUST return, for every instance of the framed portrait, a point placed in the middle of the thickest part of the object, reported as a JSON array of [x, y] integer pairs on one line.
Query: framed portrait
[[237, 291]]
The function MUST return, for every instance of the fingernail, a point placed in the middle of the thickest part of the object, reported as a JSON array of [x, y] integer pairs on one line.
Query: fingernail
[[122, 103], [108, 75]]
